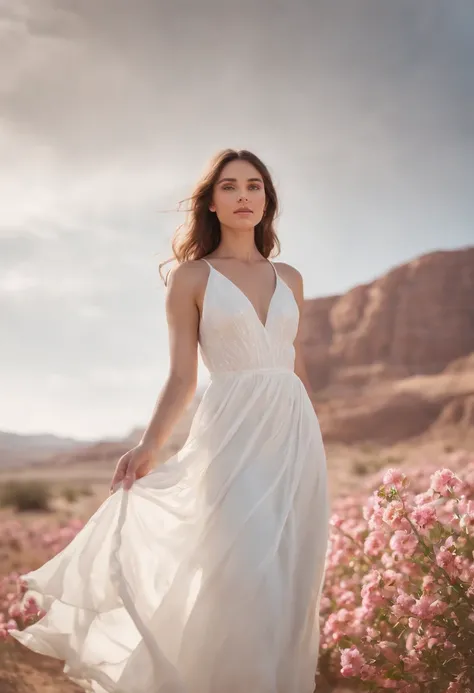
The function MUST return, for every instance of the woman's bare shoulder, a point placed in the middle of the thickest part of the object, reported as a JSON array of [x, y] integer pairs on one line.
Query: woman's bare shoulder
[[187, 274], [293, 279], [187, 280], [289, 274]]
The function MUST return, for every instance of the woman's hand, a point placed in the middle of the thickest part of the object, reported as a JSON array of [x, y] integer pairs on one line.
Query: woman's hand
[[136, 463]]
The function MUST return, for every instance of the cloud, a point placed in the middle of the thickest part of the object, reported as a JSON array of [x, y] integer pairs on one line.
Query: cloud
[[109, 112]]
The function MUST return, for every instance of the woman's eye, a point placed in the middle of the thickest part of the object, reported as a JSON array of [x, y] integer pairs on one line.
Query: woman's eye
[[228, 187]]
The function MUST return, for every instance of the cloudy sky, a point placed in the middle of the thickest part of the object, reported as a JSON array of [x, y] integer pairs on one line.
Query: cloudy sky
[[109, 111]]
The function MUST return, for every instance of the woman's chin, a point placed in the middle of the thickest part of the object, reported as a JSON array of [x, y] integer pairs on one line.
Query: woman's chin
[[243, 224]]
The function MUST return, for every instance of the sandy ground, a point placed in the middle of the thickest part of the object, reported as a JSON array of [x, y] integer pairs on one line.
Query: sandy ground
[[22, 671]]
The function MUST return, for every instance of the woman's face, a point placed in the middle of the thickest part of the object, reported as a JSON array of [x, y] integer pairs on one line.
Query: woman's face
[[239, 185]]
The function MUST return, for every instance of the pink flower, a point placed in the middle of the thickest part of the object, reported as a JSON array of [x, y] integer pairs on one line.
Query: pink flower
[[425, 497], [372, 634], [428, 606], [410, 641], [394, 477], [429, 584], [404, 543], [466, 508], [373, 511], [392, 578], [394, 515], [375, 543], [343, 616], [445, 482], [454, 687], [336, 520], [371, 592], [403, 604], [347, 599], [424, 516], [30, 606], [367, 672], [446, 559], [438, 607], [388, 649], [15, 611], [351, 661]]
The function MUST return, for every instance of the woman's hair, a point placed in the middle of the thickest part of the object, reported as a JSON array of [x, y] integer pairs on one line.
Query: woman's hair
[[202, 232]]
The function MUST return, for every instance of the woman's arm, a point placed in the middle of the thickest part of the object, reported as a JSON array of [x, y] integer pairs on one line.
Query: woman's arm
[[295, 281], [183, 323], [300, 366]]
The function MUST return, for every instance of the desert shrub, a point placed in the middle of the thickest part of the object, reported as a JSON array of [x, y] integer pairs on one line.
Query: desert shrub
[[25, 495], [360, 468], [70, 493]]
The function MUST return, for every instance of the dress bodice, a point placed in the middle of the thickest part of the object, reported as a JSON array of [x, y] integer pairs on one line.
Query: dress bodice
[[232, 336]]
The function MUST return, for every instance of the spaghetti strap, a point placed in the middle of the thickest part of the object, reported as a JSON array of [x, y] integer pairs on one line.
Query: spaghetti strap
[[274, 268]]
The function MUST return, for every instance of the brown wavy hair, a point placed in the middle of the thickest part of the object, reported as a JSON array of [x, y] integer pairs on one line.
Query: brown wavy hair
[[202, 231]]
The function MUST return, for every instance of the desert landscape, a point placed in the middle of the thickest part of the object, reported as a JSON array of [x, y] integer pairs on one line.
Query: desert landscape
[[391, 364]]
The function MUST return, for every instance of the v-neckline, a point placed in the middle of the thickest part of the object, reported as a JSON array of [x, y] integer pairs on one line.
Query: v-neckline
[[264, 325]]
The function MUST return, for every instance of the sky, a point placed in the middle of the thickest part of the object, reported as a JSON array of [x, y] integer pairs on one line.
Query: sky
[[110, 110]]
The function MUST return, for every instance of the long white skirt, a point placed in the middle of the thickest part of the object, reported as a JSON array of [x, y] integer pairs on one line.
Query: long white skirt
[[206, 576]]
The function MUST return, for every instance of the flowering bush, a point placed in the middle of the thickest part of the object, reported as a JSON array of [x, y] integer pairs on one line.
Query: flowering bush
[[27, 545], [398, 606]]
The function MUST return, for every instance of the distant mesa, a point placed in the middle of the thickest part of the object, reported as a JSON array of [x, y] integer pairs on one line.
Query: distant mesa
[[394, 359]]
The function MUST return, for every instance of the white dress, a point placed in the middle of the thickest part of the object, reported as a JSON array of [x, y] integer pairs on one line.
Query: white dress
[[206, 576]]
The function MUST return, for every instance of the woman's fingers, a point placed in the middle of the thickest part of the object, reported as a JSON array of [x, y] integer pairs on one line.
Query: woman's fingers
[[117, 478], [129, 477], [113, 484], [129, 472], [119, 473], [129, 468]]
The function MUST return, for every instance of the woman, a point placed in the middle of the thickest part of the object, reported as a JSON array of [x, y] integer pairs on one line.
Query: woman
[[204, 574]]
